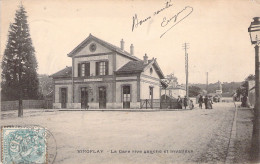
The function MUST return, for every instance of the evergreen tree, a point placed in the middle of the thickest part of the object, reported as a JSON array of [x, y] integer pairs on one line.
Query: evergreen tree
[[19, 64]]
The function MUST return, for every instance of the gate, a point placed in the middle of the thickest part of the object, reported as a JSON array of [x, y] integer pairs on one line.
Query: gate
[[150, 103], [146, 103]]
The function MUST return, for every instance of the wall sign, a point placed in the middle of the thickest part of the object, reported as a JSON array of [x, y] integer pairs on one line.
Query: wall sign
[[96, 79]]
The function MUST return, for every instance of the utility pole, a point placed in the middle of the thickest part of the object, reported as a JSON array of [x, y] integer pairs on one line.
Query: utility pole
[[185, 47]]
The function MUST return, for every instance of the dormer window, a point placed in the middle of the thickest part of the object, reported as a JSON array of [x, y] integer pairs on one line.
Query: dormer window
[[102, 68]]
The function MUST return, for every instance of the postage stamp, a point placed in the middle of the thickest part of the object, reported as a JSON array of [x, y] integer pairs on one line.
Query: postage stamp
[[24, 145]]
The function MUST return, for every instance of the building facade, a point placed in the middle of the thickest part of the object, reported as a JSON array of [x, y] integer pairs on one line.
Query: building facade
[[105, 76]]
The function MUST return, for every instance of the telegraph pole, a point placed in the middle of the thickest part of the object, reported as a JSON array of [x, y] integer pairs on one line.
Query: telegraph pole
[[185, 47]]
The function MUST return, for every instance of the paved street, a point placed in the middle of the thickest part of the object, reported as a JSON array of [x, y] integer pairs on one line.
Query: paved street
[[197, 135]]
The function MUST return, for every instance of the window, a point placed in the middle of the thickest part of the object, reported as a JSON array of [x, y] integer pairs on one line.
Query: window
[[102, 68], [150, 92], [83, 69], [151, 71]]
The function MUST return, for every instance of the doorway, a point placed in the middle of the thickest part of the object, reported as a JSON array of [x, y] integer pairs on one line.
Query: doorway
[[151, 96], [102, 97], [126, 97], [84, 98], [63, 97]]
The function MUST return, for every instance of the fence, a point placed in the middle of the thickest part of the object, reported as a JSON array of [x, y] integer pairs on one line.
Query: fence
[[158, 104], [27, 104]]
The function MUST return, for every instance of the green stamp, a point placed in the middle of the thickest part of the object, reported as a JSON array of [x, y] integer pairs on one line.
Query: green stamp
[[23, 145]]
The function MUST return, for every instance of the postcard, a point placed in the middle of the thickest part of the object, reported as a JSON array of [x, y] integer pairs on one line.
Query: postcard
[[120, 81]]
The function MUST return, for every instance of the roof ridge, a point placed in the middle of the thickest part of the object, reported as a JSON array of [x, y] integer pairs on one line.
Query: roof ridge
[[115, 48]]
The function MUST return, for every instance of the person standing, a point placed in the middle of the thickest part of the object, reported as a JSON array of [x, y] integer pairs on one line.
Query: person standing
[[244, 101], [179, 101], [185, 102], [206, 102], [200, 101], [210, 102]]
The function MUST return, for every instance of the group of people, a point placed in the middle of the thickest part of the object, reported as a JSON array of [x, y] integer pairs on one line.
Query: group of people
[[185, 103], [206, 100]]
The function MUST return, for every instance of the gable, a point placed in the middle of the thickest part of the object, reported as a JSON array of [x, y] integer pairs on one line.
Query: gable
[[152, 73], [104, 46], [86, 49]]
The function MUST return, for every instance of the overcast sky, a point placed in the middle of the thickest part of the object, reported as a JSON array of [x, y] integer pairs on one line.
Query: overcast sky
[[215, 30]]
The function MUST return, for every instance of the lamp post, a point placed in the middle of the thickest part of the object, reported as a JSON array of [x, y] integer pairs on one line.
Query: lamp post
[[254, 32]]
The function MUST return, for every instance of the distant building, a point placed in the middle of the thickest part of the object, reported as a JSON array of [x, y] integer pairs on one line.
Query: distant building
[[219, 90], [106, 76], [174, 91]]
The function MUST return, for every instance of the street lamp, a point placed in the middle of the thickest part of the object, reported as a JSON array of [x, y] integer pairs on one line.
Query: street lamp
[[254, 32]]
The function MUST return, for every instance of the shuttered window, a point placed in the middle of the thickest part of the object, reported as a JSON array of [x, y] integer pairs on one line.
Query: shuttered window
[[79, 70], [83, 69], [106, 67], [102, 68], [87, 69], [97, 68]]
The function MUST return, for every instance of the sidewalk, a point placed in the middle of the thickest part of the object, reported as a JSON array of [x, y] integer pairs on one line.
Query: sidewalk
[[240, 141]]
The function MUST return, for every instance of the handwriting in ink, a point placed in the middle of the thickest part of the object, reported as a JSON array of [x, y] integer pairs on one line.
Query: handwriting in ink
[[176, 18], [137, 22]]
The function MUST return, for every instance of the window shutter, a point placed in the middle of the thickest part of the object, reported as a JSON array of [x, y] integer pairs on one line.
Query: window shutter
[[97, 68], [87, 69], [106, 67], [79, 69]]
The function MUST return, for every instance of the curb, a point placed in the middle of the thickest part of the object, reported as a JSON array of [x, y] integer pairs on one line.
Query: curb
[[231, 146]]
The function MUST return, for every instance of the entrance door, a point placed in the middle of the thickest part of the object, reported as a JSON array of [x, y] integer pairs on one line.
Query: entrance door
[[63, 97], [84, 97], [102, 98], [126, 97]]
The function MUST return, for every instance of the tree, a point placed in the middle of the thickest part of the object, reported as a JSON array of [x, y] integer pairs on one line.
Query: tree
[[250, 77], [171, 80], [19, 65], [194, 91], [45, 85]]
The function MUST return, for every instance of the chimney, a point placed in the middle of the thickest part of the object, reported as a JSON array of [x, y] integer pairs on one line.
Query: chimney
[[122, 44], [145, 59], [132, 49]]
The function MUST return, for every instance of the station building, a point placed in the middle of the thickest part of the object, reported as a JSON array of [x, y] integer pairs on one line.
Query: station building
[[106, 76]]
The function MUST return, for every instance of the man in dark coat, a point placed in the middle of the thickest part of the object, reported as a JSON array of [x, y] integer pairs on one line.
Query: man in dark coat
[[179, 101], [206, 102], [200, 101], [244, 101]]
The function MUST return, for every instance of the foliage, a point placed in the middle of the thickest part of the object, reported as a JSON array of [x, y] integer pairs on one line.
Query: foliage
[[226, 87], [45, 85], [171, 80], [250, 77], [243, 89], [194, 91], [19, 65]]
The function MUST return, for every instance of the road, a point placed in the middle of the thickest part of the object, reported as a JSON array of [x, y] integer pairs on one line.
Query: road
[[197, 135]]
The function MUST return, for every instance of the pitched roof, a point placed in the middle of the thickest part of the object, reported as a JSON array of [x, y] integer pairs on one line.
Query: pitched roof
[[105, 44], [133, 66], [66, 72], [139, 66]]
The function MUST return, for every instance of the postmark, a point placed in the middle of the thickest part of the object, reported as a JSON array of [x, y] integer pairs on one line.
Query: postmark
[[27, 144]]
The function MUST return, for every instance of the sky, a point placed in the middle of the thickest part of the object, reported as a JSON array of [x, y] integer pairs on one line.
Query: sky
[[216, 31]]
